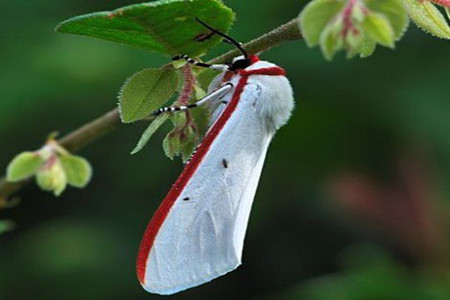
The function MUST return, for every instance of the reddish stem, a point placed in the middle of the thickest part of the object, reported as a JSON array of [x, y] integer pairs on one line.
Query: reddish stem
[[186, 94], [347, 17], [188, 86]]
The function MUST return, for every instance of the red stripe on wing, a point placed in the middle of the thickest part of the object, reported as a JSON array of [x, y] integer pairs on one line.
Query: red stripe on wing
[[163, 210]]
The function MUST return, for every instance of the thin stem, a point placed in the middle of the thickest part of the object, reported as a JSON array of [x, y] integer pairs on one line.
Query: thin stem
[[286, 32], [88, 133], [105, 124]]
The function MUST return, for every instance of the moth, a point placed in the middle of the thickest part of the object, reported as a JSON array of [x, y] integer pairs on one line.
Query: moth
[[197, 234]]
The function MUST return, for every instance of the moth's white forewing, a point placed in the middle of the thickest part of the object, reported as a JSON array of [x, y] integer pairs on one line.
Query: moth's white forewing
[[202, 237], [203, 234]]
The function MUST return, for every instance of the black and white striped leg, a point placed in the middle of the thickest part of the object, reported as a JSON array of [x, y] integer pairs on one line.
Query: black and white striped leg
[[214, 95], [200, 64], [173, 109]]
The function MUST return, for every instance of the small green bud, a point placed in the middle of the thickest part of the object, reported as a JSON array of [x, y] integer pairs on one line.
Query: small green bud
[[53, 166], [52, 177], [356, 26]]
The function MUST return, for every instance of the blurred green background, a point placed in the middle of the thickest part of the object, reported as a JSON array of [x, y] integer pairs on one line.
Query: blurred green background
[[352, 203]]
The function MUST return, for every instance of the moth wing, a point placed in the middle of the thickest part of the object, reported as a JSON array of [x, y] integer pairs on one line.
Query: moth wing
[[202, 236]]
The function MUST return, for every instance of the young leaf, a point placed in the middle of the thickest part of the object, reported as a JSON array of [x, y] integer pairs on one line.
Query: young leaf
[[368, 47], [188, 143], [205, 77], [165, 26], [172, 144], [428, 18], [23, 166], [78, 170], [146, 91], [148, 133], [354, 41], [181, 139], [330, 40], [378, 28], [394, 11], [315, 17]]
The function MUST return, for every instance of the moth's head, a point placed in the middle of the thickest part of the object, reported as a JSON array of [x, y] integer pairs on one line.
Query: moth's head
[[241, 62]]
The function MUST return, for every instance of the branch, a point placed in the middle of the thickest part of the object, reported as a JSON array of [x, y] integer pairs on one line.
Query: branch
[[105, 124], [88, 133], [287, 32]]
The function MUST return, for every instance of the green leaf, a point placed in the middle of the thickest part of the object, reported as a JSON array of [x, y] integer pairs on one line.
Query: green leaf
[[368, 47], [205, 77], [172, 144], [378, 28], [188, 144], [354, 41], [23, 166], [165, 26], [330, 39], [428, 18], [146, 91], [78, 170], [182, 139], [315, 17], [394, 11], [148, 133]]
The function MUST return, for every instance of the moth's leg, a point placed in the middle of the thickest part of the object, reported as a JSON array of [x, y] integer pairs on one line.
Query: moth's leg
[[200, 64], [214, 95]]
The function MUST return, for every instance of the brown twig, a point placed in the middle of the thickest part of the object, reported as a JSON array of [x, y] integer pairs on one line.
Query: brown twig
[[105, 124]]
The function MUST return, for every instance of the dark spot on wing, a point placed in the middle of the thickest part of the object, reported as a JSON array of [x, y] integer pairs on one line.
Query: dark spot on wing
[[225, 163], [186, 199]]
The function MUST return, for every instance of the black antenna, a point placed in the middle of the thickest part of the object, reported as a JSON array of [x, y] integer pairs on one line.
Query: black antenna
[[226, 37]]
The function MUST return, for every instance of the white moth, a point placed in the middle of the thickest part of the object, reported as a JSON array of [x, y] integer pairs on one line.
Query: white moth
[[197, 233]]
